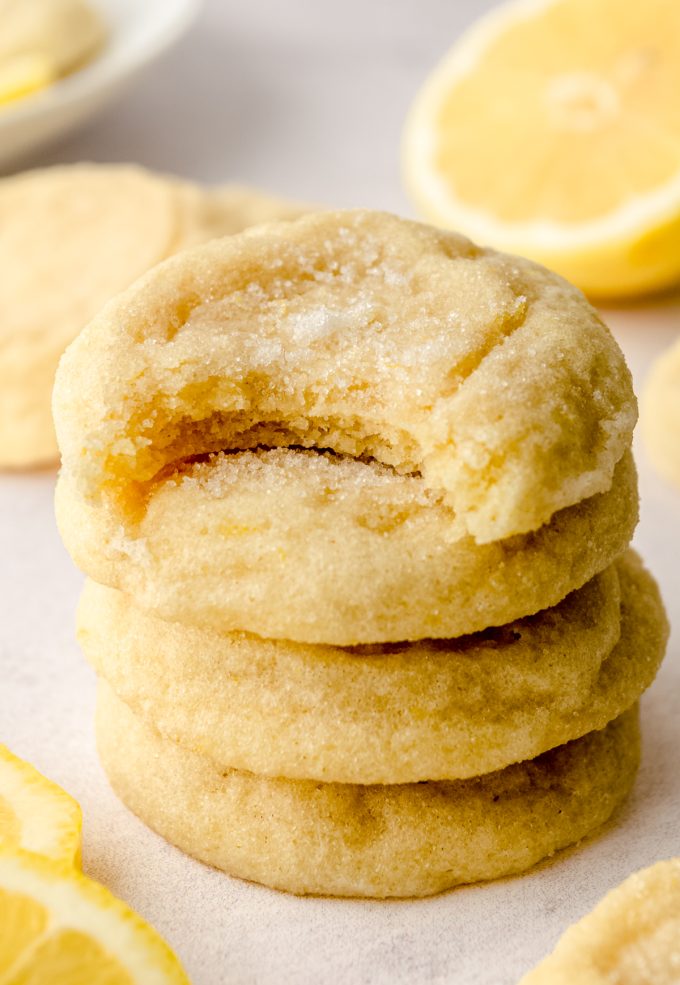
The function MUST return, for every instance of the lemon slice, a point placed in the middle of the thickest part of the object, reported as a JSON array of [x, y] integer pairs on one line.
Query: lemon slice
[[36, 814], [23, 75], [57, 926], [552, 129]]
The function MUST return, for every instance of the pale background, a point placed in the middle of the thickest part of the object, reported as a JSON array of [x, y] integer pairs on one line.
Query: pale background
[[306, 98]]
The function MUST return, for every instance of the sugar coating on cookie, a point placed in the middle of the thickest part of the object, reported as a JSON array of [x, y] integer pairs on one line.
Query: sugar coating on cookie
[[632, 937], [70, 239], [661, 413], [373, 841], [390, 713], [293, 544], [364, 334]]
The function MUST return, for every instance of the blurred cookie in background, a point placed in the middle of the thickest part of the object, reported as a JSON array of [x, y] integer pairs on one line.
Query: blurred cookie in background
[[228, 209], [660, 413], [630, 938], [71, 238]]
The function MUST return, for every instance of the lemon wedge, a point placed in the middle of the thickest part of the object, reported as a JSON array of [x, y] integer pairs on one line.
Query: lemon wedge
[[552, 129], [23, 75], [57, 926], [36, 814]]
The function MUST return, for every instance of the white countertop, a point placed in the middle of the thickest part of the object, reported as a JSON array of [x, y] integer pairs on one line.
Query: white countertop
[[307, 99]]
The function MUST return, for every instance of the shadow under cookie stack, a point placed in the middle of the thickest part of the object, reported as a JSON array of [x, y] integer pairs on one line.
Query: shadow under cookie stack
[[354, 497]]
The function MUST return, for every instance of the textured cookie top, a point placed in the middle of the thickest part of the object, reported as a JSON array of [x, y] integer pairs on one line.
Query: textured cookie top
[[365, 334], [321, 475], [631, 937]]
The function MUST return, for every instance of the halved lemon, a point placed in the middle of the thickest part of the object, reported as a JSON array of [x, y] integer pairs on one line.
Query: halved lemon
[[552, 129], [57, 926], [36, 814]]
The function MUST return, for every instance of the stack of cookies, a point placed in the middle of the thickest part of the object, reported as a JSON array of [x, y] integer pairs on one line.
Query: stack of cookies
[[355, 497]]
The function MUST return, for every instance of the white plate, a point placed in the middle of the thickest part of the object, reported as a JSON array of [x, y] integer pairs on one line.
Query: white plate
[[138, 32]]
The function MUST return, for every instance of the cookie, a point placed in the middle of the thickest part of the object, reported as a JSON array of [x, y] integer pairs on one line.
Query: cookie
[[70, 238], [385, 714], [363, 334], [63, 33], [661, 414], [210, 212], [631, 937], [376, 841], [293, 544]]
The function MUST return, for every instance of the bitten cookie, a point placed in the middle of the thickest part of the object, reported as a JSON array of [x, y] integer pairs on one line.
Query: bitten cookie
[[344, 840], [365, 334], [390, 713], [632, 937], [488, 381]]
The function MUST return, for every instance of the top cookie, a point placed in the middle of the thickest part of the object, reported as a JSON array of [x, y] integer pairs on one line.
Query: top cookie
[[362, 333]]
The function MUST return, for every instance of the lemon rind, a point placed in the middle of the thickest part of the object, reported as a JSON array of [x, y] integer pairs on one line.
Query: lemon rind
[[77, 903], [50, 819], [641, 215]]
